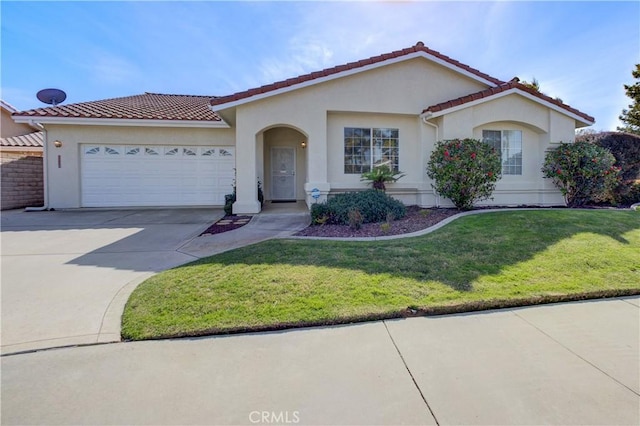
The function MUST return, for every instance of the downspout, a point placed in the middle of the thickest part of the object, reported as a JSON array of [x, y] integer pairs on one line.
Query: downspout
[[45, 172], [425, 120]]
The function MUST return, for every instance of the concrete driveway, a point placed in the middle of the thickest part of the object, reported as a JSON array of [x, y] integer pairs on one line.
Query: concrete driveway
[[66, 275]]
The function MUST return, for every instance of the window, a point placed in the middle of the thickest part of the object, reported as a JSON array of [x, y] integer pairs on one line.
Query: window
[[366, 147], [509, 144]]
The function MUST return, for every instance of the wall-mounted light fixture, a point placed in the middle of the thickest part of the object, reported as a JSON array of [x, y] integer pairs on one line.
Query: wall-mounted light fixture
[[303, 144], [57, 144]]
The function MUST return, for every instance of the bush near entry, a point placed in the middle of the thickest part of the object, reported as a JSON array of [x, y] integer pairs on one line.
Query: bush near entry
[[372, 205]]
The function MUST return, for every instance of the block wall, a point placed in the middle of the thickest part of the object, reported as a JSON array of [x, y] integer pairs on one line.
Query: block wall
[[22, 180]]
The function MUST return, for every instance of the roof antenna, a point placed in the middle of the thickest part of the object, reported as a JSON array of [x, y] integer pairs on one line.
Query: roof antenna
[[51, 96]]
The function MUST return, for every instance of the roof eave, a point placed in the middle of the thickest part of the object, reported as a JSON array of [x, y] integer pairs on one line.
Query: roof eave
[[579, 119], [133, 122], [348, 72], [10, 148]]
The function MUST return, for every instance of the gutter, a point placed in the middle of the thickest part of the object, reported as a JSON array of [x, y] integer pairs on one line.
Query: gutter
[[425, 120], [45, 171]]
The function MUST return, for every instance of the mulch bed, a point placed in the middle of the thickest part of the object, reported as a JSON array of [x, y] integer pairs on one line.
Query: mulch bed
[[227, 223], [416, 219]]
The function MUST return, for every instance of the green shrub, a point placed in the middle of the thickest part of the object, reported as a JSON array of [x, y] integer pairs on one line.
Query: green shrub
[[380, 175], [582, 170], [465, 171], [625, 147], [355, 219], [385, 227], [373, 205], [260, 193], [630, 196], [229, 199], [320, 214]]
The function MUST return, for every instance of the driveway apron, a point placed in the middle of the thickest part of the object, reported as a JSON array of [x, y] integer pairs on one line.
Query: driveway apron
[[67, 274]]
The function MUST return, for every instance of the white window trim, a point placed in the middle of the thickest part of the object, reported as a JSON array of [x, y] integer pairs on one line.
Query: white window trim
[[371, 146], [502, 150]]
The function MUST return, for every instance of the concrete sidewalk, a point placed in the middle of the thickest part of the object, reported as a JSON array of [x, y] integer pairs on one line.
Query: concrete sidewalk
[[66, 275], [569, 364]]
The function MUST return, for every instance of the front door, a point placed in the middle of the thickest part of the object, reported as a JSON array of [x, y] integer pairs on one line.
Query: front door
[[283, 173]]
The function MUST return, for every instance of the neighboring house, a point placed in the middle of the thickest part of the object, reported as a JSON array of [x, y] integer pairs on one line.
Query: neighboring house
[[317, 131], [21, 176]]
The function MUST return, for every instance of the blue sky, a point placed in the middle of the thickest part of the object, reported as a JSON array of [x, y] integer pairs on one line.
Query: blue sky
[[582, 52]]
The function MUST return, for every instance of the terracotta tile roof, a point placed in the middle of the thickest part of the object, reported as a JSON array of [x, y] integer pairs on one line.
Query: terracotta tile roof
[[148, 106], [419, 47], [31, 140], [513, 84]]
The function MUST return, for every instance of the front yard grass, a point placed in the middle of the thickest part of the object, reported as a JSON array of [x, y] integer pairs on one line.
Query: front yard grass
[[500, 258]]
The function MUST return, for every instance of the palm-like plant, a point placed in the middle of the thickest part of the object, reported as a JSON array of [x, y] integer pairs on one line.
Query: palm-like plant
[[380, 175]]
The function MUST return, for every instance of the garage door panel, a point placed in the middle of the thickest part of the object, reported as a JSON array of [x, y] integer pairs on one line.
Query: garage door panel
[[116, 175]]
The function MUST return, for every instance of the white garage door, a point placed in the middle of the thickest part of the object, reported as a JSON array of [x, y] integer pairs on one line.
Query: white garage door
[[154, 175]]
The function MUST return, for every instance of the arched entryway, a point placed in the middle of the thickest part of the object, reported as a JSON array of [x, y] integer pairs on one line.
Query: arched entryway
[[284, 160]]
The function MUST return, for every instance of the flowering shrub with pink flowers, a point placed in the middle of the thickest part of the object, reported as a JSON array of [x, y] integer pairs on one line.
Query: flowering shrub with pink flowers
[[464, 170], [583, 171]]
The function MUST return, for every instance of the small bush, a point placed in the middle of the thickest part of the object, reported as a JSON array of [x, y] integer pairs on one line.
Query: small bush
[[380, 175], [631, 194], [373, 205], [355, 219], [465, 171], [320, 214], [385, 227], [583, 171], [390, 217], [229, 199], [625, 147]]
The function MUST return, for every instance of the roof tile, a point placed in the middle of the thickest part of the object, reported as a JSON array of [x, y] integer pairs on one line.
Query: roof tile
[[148, 106], [34, 139], [502, 88], [419, 47]]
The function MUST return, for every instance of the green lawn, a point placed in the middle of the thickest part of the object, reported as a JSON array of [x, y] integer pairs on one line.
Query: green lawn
[[492, 258]]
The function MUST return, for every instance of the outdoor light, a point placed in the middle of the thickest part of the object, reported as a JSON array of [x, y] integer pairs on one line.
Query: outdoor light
[[303, 144], [57, 144]]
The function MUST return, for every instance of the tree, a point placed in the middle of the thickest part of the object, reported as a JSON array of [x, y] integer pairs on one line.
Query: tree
[[535, 84], [465, 171], [631, 117]]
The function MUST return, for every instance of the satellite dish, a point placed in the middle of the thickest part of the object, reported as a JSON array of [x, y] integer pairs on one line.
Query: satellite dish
[[51, 96]]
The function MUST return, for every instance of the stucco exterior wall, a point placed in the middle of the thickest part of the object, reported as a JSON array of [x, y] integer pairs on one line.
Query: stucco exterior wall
[[403, 88], [389, 96], [10, 128], [64, 163], [541, 127]]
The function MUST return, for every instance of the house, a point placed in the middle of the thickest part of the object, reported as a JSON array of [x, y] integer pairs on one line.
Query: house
[[20, 162], [318, 131]]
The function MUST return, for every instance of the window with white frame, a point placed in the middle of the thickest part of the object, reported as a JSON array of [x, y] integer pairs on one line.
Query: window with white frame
[[365, 148], [509, 144]]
